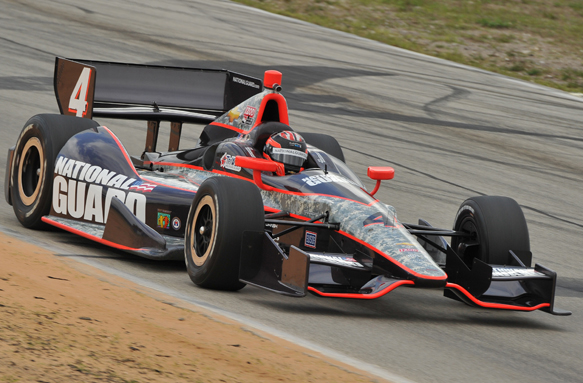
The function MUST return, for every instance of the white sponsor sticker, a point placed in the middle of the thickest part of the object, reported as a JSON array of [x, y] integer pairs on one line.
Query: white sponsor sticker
[[228, 162], [335, 260], [505, 272], [310, 240], [325, 178], [85, 201], [82, 171], [245, 82], [290, 152], [78, 191]]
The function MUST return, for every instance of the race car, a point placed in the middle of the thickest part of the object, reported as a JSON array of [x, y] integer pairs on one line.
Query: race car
[[256, 201]]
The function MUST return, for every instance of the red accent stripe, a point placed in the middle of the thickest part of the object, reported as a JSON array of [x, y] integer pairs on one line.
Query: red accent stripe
[[247, 179], [374, 223], [320, 194], [292, 193], [128, 159], [123, 150], [86, 235], [362, 296], [173, 164], [281, 106], [178, 165], [273, 143], [405, 268], [494, 305], [166, 185], [227, 126]]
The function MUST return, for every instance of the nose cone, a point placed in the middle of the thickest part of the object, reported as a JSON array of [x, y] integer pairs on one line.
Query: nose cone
[[271, 77]]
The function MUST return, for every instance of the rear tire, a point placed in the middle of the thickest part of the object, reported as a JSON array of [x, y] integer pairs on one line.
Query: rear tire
[[222, 209], [495, 224], [33, 162], [326, 143]]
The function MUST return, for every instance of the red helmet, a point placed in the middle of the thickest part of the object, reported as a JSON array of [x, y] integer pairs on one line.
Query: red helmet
[[288, 148]]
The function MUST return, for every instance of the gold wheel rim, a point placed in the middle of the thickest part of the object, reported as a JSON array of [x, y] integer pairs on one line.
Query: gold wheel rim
[[32, 143], [195, 230]]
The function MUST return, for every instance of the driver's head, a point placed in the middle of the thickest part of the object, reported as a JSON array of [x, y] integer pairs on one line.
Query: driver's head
[[288, 148]]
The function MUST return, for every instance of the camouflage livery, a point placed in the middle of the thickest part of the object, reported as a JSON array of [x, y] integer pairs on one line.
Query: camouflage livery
[[390, 239]]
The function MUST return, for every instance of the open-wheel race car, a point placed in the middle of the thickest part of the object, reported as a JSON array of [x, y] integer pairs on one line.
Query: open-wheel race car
[[255, 202]]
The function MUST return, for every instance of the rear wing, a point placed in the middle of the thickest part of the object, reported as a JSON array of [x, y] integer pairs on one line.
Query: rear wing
[[90, 89]]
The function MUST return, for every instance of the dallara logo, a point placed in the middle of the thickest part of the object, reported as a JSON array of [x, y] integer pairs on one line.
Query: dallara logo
[[78, 191]]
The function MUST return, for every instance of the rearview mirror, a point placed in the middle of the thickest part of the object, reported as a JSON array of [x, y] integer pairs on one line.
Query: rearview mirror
[[380, 173], [256, 164]]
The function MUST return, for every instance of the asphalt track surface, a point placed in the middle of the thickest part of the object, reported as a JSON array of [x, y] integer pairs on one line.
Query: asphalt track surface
[[450, 132]]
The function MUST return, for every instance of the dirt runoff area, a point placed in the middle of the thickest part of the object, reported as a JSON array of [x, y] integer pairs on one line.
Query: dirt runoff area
[[62, 321]]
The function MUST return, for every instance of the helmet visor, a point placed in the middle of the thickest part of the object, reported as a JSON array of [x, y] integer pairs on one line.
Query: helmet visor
[[289, 156]]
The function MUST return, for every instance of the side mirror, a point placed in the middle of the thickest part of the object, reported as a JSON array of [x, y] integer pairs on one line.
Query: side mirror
[[258, 165], [380, 173], [253, 163]]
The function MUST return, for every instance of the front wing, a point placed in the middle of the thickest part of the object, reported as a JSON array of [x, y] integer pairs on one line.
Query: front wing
[[519, 288]]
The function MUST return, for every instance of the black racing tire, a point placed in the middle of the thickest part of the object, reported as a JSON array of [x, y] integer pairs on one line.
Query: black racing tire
[[39, 143], [495, 224], [222, 209], [326, 143]]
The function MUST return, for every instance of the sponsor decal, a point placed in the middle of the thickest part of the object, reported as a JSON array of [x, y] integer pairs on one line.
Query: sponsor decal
[[319, 179], [375, 219], [78, 191], [163, 220], [289, 135], [249, 112], [85, 172], [501, 272], [245, 82], [408, 250], [319, 158], [142, 186], [310, 240], [290, 152], [233, 114], [228, 162], [248, 115], [336, 260], [176, 223], [381, 219], [272, 225]]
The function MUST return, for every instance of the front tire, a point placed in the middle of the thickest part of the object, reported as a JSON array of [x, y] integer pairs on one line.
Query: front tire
[[33, 162], [221, 211], [494, 225]]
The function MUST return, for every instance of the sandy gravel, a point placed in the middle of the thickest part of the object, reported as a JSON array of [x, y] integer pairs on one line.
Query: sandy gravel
[[61, 321]]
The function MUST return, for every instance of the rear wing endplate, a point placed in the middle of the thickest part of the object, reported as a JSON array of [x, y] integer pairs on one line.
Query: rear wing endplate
[[90, 89]]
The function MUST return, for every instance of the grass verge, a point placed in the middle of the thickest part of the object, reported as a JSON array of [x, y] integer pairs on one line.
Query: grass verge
[[534, 40]]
